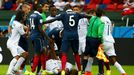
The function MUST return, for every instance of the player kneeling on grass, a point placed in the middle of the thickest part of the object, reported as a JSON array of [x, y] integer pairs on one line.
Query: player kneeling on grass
[[54, 67], [12, 44]]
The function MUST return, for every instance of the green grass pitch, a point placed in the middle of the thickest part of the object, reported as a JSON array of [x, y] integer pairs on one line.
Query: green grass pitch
[[129, 70]]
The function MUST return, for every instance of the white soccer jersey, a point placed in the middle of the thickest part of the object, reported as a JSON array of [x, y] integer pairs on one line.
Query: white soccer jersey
[[52, 65], [82, 31], [17, 31], [107, 34], [12, 42], [54, 24]]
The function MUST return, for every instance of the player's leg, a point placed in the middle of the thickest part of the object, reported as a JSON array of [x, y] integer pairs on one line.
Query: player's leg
[[37, 49], [107, 65], [93, 44], [85, 55], [14, 53], [110, 51], [75, 47], [64, 48], [24, 47], [88, 68], [101, 67], [22, 57]]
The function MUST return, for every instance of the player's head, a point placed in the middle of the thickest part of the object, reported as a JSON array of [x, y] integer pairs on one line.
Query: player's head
[[20, 16], [45, 7], [99, 12], [26, 7], [53, 10], [92, 12], [76, 8], [68, 6]]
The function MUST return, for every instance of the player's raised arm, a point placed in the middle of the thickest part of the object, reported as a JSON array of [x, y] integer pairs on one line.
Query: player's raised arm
[[49, 21], [52, 20]]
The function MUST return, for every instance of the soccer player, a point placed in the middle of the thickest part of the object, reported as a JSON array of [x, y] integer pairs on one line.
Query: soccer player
[[93, 39], [54, 29], [108, 43], [37, 36], [54, 66], [18, 52], [70, 21], [82, 31], [23, 40]]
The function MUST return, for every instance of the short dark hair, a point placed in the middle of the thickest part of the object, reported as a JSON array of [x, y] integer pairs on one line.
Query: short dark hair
[[20, 16], [51, 6], [68, 6], [99, 12]]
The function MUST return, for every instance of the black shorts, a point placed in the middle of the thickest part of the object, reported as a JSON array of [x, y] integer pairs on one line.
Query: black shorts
[[92, 45]]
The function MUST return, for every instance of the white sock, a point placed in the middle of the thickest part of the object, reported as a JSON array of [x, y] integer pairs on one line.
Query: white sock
[[89, 64], [11, 65], [19, 62], [21, 72], [119, 67]]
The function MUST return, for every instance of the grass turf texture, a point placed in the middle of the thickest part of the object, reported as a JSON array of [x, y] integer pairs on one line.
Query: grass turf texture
[[129, 70]]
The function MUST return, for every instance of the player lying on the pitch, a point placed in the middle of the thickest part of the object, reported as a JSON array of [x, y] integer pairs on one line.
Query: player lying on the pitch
[[54, 67]]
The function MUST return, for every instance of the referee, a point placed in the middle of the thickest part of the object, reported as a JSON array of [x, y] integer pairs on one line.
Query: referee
[[93, 39]]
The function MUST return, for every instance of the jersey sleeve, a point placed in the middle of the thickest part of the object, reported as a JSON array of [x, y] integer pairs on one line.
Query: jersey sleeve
[[59, 17], [40, 21], [21, 30], [12, 19]]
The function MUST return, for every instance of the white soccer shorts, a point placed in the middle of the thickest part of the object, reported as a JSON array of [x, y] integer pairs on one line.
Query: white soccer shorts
[[109, 49], [15, 49]]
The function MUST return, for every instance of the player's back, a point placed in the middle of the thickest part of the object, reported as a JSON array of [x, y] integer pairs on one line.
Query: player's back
[[70, 21], [35, 20], [17, 31], [107, 34]]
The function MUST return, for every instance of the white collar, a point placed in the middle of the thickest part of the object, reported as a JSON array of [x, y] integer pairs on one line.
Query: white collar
[[69, 10], [37, 12]]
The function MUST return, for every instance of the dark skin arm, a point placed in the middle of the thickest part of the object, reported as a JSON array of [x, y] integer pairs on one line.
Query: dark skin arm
[[43, 33]]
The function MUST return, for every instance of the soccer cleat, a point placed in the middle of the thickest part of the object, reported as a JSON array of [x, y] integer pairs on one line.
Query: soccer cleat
[[79, 73], [26, 72], [31, 73], [124, 74], [44, 72], [87, 73], [48, 72], [62, 72], [108, 72]]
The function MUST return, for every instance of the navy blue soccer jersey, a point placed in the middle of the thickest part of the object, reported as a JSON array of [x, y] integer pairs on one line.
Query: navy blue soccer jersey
[[35, 20], [70, 21]]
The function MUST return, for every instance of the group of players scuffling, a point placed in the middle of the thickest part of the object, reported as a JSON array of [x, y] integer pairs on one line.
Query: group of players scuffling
[[87, 34]]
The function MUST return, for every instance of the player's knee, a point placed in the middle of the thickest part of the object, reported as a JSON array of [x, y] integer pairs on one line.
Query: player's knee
[[85, 57], [17, 57], [25, 54], [113, 59]]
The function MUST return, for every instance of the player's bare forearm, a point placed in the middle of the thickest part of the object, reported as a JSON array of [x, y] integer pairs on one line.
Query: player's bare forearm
[[9, 29]]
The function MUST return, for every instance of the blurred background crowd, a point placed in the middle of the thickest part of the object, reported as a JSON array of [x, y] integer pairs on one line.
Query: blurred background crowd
[[105, 4], [119, 11]]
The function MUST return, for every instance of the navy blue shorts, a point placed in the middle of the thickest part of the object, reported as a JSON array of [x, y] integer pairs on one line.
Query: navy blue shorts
[[38, 45], [23, 43], [66, 44], [92, 45]]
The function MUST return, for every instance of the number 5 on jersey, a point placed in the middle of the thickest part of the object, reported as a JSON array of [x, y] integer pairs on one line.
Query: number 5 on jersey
[[71, 20]]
